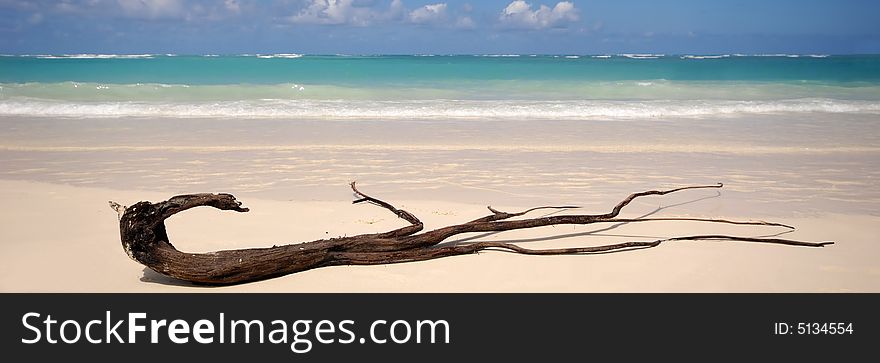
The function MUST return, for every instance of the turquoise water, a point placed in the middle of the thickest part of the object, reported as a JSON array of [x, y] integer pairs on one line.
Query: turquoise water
[[436, 87], [428, 70], [786, 134]]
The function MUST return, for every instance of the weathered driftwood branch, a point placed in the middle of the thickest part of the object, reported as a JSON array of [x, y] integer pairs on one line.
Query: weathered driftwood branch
[[144, 238]]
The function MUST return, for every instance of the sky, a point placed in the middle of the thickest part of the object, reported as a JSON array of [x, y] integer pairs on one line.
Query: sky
[[440, 27]]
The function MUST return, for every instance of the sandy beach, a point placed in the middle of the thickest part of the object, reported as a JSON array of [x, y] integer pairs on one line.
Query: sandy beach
[[60, 236], [65, 239]]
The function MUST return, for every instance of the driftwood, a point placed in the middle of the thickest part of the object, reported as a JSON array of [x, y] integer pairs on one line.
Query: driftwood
[[144, 238]]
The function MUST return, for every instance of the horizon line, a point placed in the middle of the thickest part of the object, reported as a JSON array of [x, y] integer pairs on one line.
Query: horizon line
[[296, 55]]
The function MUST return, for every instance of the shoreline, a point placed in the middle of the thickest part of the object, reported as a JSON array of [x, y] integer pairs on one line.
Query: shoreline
[[775, 165]]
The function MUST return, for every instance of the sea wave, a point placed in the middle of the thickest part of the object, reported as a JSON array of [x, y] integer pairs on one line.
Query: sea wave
[[95, 56], [705, 56], [641, 56], [785, 55], [553, 90], [279, 55], [433, 109]]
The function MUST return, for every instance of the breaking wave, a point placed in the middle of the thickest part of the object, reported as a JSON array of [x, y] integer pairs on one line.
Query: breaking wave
[[432, 109]]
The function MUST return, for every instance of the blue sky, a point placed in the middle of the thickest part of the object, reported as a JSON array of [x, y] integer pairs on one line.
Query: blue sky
[[439, 27]]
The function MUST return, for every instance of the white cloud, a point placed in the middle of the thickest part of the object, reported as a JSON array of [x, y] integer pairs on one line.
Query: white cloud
[[323, 12], [431, 13], [233, 6], [65, 6], [152, 9], [342, 12], [136, 9], [396, 10], [519, 14], [19, 5], [364, 13]]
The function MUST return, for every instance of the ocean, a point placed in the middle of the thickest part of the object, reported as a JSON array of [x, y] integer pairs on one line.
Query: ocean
[[293, 86], [787, 134]]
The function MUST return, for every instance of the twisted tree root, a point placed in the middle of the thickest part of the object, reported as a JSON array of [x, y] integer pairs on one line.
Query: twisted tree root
[[143, 235]]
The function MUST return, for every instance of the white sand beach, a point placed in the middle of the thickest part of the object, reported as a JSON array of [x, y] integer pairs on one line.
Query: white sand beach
[[59, 235]]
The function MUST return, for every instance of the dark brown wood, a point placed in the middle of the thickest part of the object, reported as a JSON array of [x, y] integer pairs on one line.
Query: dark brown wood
[[144, 239]]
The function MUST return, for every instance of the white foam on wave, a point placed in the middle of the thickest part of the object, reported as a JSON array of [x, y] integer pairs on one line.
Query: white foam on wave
[[641, 56], [433, 109], [96, 56], [572, 56], [782, 55], [602, 56], [705, 56], [279, 55]]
